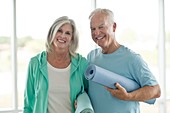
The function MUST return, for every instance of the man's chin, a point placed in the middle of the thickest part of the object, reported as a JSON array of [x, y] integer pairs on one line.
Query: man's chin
[[100, 45]]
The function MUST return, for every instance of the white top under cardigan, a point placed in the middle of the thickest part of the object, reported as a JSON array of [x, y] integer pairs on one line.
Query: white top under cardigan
[[59, 90]]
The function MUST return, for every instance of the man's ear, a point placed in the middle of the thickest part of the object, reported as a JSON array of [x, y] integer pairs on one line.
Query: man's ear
[[114, 27]]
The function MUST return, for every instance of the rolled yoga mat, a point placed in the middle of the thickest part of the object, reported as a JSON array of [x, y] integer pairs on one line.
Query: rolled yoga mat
[[108, 78], [84, 104]]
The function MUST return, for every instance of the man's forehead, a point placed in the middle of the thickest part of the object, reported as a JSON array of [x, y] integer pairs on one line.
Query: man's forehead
[[101, 21]]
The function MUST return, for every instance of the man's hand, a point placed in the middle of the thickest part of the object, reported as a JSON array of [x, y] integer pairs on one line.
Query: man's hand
[[120, 92]]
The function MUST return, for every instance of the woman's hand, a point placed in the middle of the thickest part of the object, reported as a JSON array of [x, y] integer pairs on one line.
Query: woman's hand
[[75, 104]]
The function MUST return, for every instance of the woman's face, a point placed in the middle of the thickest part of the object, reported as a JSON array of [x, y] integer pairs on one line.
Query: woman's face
[[63, 37]]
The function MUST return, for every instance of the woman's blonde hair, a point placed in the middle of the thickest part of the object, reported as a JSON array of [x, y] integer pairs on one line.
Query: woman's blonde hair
[[54, 28]]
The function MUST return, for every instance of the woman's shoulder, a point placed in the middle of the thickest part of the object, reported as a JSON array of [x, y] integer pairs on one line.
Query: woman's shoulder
[[38, 57], [79, 58]]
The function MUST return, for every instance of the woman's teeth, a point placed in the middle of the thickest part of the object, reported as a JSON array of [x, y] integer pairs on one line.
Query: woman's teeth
[[61, 41]]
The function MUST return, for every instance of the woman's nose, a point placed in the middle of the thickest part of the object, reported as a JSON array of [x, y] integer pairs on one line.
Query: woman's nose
[[62, 35]]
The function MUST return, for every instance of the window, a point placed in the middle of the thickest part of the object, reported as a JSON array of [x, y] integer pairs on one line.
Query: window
[[167, 52], [6, 82]]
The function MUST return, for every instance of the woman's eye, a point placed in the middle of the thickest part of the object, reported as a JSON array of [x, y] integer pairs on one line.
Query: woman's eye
[[68, 33], [59, 30]]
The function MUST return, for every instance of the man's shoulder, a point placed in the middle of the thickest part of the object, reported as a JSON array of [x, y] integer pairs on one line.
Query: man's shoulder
[[93, 53]]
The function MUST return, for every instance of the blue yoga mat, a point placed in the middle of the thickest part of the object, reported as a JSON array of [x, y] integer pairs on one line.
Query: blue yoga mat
[[108, 78], [84, 104]]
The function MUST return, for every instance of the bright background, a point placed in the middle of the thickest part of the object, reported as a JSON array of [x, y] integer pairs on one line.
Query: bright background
[[138, 27]]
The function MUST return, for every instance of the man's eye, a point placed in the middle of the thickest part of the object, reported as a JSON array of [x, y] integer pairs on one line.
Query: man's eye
[[100, 27], [92, 29]]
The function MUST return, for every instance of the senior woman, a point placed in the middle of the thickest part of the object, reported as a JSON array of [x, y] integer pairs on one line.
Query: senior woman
[[56, 76]]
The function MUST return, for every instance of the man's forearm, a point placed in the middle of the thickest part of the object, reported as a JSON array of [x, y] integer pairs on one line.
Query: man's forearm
[[145, 93]]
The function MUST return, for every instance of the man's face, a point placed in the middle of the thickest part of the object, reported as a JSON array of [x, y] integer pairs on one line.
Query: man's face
[[101, 30]]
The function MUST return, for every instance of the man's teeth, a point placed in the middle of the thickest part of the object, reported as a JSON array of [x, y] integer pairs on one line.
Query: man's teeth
[[98, 38]]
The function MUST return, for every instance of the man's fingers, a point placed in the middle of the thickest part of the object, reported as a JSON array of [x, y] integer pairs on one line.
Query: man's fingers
[[118, 86], [109, 89]]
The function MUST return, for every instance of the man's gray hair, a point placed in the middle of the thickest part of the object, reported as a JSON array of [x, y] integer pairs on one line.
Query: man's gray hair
[[107, 12]]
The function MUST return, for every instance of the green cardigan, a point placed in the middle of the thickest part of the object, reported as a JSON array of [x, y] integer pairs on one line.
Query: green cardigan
[[36, 91]]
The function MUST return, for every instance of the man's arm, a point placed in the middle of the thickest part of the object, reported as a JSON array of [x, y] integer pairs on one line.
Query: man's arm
[[142, 94]]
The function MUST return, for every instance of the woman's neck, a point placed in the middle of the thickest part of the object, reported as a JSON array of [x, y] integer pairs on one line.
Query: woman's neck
[[59, 60]]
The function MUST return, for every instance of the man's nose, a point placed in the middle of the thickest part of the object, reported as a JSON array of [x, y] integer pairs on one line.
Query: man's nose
[[96, 32]]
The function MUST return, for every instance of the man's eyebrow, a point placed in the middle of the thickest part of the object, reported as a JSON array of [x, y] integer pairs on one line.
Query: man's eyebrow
[[101, 24], [97, 26]]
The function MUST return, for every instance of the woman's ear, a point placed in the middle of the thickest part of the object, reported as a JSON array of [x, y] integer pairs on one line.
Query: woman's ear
[[114, 27]]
